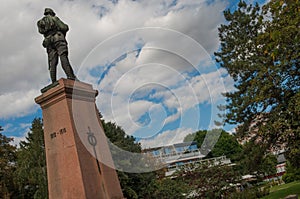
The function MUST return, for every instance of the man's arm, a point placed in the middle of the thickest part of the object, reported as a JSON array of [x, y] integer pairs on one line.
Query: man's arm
[[61, 26], [41, 26]]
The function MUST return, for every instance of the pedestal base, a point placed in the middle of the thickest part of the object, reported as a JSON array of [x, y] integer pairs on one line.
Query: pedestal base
[[75, 144]]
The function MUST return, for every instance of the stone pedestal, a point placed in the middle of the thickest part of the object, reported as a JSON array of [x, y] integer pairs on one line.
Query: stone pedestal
[[75, 144]]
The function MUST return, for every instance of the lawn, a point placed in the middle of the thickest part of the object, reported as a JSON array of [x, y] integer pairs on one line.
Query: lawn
[[284, 190]]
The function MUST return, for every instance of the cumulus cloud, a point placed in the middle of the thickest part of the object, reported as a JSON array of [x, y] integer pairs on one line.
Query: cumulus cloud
[[22, 128], [158, 84], [150, 60], [167, 138], [17, 103], [17, 139]]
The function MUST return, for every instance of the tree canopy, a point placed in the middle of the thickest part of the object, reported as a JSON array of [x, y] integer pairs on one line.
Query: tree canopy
[[134, 185], [226, 145], [260, 50], [206, 181], [253, 160], [31, 172], [7, 167]]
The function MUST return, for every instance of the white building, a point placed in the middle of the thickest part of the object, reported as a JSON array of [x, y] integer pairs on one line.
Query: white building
[[181, 155]]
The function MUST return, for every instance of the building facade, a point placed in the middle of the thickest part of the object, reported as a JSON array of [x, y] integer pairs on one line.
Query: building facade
[[182, 155]]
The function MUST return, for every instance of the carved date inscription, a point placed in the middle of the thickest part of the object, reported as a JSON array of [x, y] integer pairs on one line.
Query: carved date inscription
[[59, 132]]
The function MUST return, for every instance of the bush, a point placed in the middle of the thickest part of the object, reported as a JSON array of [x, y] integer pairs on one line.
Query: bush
[[251, 193], [292, 174], [291, 177]]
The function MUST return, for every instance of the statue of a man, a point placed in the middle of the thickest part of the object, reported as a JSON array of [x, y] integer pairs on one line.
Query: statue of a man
[[54, 31]]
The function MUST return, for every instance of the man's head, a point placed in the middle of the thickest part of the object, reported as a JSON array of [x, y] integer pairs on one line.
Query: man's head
[[49, 11]]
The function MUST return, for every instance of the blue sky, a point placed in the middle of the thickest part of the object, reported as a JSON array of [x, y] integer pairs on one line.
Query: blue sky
[[151, 62]]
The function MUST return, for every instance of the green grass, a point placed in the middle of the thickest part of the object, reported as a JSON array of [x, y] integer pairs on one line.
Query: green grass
[[284, 190]]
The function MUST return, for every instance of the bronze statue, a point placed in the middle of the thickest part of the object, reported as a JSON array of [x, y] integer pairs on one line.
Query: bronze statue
[[54, 31]]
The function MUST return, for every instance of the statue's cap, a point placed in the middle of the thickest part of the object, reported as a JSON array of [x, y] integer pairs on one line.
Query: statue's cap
[[49, 11]]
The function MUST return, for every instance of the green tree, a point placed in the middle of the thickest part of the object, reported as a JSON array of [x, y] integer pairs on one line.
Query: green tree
[[292, 173], [198, 136], [207, 181], [31, 164], [7, 166], [171, 189], [118, 137], [254, 160], [268, 166], [226, 145], [260, 50], [134, 185]]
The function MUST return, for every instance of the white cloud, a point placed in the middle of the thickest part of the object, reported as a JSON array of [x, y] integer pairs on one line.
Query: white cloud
[[16, 140], [167, 138], [138, 108], [232, 131], [22, 129], [123, 86], [174, 117], [173, 40], [18, 103]]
